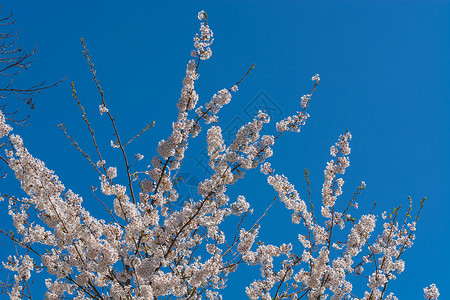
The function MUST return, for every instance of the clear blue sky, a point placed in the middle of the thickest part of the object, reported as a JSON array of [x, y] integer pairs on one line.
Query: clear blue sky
[[385, 70]]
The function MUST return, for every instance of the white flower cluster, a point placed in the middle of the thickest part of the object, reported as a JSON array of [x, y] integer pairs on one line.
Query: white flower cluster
[[431, 292], [295, 122], [111, 172], [201, 15], [114, 144], [359, 234], [23, 266], [4, 128], [240, 206], [102, 109], [189, 97], [305, 100], [100, 163], [202, 42], [289, 195], [209, 112], [332, 187], [316, 78]]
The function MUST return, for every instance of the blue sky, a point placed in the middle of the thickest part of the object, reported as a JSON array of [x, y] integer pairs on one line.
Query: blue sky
[[385, 71]]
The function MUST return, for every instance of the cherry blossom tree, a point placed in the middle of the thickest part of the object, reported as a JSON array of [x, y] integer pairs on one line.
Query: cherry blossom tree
[[152, 249]]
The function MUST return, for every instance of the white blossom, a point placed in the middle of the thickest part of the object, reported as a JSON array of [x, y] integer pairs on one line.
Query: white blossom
[[431, 292], [103, 109], [316, 78]]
